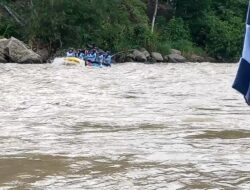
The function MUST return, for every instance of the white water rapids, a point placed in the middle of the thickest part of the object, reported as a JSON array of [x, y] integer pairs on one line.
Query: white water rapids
[[131, 126]]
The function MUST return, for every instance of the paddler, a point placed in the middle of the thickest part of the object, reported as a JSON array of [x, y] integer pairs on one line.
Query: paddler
[[70, 53], [91, 58], [107, 59]]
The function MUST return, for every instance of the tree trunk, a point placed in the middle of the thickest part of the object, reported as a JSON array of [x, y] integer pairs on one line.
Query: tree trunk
[[14, 15], [154, 16]]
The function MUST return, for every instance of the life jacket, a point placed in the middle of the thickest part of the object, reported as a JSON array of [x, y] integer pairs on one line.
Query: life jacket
[[91, 57], [81, 55], [100, 59], [108, 59]]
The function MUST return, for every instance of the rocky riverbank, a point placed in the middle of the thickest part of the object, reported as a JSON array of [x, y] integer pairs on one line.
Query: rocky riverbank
[[15, 51], [175, 56]]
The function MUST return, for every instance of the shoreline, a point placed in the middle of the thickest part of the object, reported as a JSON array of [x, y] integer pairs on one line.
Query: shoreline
[[15, 51], [46, 63]]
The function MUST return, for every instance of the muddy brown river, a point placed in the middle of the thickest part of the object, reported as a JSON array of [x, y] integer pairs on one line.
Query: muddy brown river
[[129, 127]]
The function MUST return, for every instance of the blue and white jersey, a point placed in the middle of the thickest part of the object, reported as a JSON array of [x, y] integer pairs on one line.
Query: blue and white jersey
[[70, 54], [91, 57], [242, 80], [108, 59], [81, 55], [100, 59]]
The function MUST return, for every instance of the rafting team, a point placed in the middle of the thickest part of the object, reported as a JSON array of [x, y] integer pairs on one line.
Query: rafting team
[[91, 57]]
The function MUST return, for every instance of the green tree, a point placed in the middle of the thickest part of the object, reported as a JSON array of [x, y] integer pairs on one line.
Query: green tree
[[216, 26]]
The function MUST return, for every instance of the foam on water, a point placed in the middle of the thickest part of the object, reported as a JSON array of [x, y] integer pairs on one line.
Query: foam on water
[[58, 61], [131, 126]]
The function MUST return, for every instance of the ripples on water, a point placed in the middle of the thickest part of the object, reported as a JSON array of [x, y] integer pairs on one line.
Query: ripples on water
[[132, 126]]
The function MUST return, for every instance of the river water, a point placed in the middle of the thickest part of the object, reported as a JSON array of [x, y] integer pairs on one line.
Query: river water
[[131, 126]]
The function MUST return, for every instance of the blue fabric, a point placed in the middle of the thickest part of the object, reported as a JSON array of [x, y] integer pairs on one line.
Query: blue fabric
[[100, 59], [242, 80], [81, 55], [91, 57], [108, 60], [248, 15], [70, 54]]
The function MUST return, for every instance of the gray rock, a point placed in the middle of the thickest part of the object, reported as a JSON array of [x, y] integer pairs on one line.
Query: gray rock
[[175, 51], [210, 59], [130, 57], [3, 43], [2, 58], [145, 52], [139, 56], [157, 56], [196, 58], [18, 52], [44, 53], [176, 58], [165, 58], [119, 58], [151, 60], [3, 52]]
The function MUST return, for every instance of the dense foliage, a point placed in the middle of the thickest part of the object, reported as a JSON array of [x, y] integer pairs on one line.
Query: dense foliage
[[209, 27]]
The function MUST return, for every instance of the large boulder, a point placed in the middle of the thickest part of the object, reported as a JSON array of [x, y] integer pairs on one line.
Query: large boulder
[[145, 52], [3, 43], [157, 56], [176, 58], [139, 56], [3, 52], [175, 51], [130, 57], [2, 58], [18, 52]]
